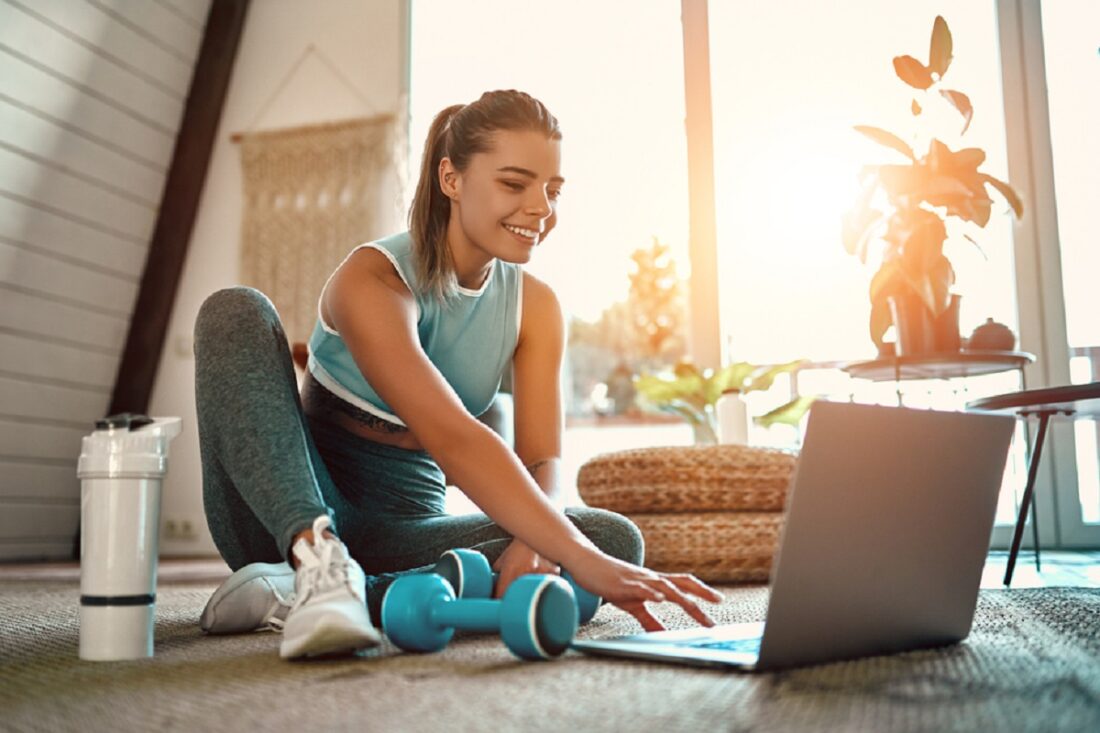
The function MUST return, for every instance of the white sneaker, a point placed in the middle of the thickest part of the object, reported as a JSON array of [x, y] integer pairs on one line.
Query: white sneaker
[[329, 615], [256, 597]]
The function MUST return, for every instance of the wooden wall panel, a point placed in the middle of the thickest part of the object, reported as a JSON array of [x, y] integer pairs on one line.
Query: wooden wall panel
[[92, 94], [50, 49], [43, 273], [26, 85], [67, 405], [84, 200], [27, 313], [58, 235], [54, 522], [87, 24], [52, 362], [36, 440], [30, 478], [25, 133]]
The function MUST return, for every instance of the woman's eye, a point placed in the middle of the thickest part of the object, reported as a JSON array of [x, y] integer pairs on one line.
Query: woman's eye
[[513, 186], [554, 194]]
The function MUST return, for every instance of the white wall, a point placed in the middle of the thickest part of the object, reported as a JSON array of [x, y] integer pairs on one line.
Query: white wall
[[91, 97], [366, 40]]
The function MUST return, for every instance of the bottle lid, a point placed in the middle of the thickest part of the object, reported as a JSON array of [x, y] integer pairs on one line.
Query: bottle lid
[[128, 446]]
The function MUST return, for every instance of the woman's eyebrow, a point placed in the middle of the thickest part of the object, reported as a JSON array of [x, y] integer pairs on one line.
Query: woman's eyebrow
[[526, 172]]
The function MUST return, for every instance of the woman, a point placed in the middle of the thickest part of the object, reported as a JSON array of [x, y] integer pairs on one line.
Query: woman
[[413, 335]]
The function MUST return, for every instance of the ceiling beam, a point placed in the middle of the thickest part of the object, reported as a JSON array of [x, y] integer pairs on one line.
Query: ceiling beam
[[179, 205]]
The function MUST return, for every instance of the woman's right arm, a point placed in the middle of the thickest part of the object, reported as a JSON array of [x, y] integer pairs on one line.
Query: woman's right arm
[[376, 316]]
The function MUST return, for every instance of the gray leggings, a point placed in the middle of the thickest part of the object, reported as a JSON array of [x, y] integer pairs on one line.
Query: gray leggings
[[269, 470]]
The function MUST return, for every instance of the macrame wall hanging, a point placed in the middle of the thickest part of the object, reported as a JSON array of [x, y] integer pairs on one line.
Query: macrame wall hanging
[[311, 193]]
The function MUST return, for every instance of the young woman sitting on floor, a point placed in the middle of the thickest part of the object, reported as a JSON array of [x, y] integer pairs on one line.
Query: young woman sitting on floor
[[347, 480]]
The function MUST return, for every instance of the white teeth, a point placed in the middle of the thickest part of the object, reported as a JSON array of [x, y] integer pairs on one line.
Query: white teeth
[[529, 233]]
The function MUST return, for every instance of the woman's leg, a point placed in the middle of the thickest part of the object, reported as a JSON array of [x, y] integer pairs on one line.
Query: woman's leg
[[263, 480], [415, 543], [409, 542]]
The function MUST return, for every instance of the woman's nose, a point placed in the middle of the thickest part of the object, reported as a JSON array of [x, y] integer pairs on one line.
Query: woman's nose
[[539, 203]]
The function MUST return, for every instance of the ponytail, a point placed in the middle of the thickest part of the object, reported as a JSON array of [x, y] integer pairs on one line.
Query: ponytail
[[430, 212]]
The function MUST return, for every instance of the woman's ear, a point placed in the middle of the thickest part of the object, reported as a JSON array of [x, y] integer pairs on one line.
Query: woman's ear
[[450, 182]]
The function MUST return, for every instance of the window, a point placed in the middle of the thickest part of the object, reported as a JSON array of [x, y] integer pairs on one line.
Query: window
[[619, 97], [1073, 76]]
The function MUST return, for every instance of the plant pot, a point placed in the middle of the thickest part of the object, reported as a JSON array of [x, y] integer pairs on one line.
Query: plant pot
[[913, 324], [945, 328], [918, 333]]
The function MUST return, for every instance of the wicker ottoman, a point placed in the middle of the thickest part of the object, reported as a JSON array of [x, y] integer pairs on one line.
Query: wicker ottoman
[[714, 511]]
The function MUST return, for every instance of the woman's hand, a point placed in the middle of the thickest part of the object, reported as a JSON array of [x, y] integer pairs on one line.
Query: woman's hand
[[516, 560], [630, 587]]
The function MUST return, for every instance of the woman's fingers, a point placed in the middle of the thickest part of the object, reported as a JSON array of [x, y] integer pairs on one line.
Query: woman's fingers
[[639, 611], [674, 594], [694, 586], [677, 588]]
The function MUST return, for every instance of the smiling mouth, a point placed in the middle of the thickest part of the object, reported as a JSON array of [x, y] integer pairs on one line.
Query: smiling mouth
[[531, 234]]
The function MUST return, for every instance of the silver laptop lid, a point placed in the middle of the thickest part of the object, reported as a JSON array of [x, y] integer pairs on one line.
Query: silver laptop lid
[[887, 531]]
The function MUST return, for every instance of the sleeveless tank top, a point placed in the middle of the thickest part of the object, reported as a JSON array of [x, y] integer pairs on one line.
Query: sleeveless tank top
[[470, 338]]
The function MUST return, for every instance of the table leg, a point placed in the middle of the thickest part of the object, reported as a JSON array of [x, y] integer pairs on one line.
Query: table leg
[[1025, 504], [1035, 533]]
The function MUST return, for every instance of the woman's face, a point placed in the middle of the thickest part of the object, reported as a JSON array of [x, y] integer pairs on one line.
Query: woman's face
[[505, 201]]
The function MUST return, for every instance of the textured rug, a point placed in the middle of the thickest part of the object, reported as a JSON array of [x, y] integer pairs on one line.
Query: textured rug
[[1032, 663]]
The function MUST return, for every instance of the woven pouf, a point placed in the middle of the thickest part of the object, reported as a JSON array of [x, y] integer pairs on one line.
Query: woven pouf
[[688, 479], [713, 511], [718, 547]]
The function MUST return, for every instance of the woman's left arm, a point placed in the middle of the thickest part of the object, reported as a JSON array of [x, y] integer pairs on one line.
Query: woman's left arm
[[536, 389]]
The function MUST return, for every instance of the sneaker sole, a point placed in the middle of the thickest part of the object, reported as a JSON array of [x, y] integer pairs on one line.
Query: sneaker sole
[[330, 636]]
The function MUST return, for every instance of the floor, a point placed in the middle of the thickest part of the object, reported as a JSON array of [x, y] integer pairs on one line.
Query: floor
[[1059, 568]]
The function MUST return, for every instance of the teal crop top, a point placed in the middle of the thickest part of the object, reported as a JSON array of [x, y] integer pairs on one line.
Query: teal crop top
[[470, 339]]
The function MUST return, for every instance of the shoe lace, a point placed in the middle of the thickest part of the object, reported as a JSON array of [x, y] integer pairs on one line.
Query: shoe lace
[[274, 619], [321, 570]]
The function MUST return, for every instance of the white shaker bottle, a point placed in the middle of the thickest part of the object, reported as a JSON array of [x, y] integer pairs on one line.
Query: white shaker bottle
[[121, 468]]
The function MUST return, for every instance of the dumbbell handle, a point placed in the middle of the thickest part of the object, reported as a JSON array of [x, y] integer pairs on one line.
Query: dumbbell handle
[[474, 614]]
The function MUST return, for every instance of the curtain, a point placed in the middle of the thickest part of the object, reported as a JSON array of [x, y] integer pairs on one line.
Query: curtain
[[311, 194]]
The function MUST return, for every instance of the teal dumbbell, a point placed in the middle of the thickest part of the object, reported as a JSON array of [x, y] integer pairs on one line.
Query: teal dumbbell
[[536, 619], [471, 576]]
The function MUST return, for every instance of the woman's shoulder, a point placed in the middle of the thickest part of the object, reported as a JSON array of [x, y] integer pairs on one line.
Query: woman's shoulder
[[539, 303], [388, 259]]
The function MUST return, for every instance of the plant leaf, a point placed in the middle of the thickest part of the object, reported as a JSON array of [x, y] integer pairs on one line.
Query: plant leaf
[[889, 139], [885, 281], [788, 414], [765, 379], [860, 223], [961, 102], [880, 320], [933, 285], [939, 51], [912, 72], [976, 246], [914, 108], [732, 376], [1007, 191]]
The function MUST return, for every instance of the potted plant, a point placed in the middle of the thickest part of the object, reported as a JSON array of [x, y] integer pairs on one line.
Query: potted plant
[[909, 208], [692, 393]]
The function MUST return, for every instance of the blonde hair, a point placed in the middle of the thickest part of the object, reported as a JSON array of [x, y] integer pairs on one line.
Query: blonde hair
[[460, 132]]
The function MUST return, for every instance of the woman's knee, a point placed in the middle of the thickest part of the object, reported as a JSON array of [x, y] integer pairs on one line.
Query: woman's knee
[[230, 314], [613, 533], [230, 309]]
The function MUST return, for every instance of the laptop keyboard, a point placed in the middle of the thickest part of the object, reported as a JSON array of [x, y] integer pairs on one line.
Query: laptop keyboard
[[731, 645]]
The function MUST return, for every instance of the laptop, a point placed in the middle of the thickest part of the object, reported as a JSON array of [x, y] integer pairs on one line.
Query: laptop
[[888, 524]]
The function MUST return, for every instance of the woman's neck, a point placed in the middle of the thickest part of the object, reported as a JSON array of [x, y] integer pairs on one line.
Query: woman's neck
[[472, 264]]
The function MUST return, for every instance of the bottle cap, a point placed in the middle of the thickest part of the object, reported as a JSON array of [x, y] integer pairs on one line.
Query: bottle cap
[[128, 446]]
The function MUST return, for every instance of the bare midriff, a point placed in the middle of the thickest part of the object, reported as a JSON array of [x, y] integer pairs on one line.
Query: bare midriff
[[320, 404]]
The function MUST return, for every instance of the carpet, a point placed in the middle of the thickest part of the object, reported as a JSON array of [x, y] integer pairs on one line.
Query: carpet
[[1031, 663]]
